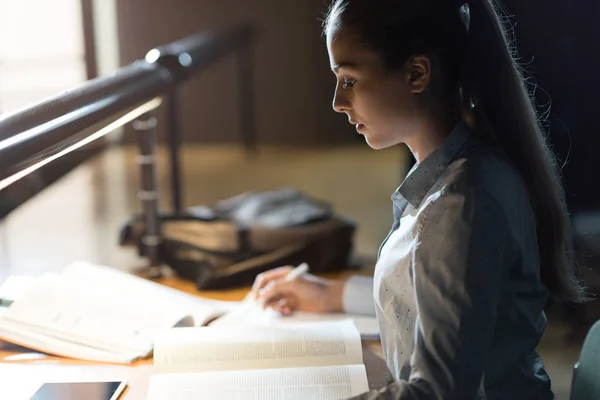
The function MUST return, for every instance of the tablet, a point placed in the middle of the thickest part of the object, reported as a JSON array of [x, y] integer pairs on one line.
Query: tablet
[[80, 390]]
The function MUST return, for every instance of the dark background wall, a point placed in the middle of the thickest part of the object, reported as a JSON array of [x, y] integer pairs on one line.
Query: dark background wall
[[294, 84], [558, 42]]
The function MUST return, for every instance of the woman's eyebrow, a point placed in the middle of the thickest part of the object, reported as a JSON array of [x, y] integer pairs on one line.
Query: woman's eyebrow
[[345, 64]]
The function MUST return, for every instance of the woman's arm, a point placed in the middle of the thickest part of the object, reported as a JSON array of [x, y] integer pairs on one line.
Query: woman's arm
[[459, 264]]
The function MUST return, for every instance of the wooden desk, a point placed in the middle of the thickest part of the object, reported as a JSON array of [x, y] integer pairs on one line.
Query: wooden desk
[[20, 368]]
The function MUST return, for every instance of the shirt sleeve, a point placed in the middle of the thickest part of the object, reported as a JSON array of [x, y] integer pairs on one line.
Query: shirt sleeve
[[358, 295], [459, 264]]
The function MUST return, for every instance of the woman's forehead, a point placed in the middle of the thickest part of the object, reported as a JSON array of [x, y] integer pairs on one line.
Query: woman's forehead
[[346, 51]]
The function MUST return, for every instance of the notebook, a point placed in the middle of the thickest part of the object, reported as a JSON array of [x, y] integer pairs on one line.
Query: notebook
[[98, 313], [302, 360]]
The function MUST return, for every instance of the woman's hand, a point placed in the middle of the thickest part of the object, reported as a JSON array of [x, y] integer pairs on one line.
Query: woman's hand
[[304, 293]]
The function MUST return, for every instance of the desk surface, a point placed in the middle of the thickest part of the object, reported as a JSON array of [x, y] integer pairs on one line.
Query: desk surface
[[18, 365]]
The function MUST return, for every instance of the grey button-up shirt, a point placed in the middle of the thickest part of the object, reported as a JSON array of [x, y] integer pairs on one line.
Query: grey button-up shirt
[[457, 288]]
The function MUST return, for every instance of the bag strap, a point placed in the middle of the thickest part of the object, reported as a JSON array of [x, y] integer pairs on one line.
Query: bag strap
[[254, 262]]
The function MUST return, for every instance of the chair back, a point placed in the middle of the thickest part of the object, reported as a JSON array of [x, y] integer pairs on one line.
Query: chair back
[[586, 372]]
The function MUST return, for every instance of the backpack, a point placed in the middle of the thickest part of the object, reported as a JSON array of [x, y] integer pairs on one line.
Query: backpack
[[226, 245]]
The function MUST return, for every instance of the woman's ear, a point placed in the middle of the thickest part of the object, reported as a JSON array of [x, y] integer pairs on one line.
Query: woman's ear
[[419, 70]]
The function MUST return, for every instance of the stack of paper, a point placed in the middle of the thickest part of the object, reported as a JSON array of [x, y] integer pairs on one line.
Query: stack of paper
[[98, 313]]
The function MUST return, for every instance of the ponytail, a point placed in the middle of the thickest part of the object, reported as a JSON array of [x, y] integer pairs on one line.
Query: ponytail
[[504, 114]]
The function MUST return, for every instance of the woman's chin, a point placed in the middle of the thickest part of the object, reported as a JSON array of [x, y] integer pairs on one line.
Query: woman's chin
[[376, 144]]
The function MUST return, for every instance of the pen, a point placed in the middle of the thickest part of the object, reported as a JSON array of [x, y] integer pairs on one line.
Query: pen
[[293, 274], [296, 272]]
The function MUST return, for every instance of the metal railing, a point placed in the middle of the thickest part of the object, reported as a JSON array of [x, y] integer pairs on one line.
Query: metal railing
[[38, 135], [183, 59]]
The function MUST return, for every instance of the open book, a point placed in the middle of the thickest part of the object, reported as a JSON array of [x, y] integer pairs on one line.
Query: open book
[[98, 313], [320, 360]]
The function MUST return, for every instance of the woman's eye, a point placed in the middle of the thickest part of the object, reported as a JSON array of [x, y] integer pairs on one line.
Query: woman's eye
[[348, 83]]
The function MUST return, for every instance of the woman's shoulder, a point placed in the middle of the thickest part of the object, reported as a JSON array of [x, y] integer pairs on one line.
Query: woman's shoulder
[[482, 171]]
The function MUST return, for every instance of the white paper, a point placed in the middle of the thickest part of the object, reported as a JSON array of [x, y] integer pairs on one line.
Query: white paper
[[318, 383], [49, 344], [97, 313], [86, 314], [251, 313], [152, 294], [222, 348]]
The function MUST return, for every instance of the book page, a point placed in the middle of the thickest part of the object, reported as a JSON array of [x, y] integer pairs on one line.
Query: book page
[[85, 314], [251, 313], [323, 383], [221, 348], [147, 292], [51, 345]]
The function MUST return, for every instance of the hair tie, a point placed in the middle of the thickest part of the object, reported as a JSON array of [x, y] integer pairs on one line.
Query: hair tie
[[465, 14]]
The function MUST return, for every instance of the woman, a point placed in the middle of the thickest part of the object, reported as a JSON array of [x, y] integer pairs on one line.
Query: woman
[[480, 238]]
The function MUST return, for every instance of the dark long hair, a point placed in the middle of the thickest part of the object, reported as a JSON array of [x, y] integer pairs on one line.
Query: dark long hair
[[481, 78]]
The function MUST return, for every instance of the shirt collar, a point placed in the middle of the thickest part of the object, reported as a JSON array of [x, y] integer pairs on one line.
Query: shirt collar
[[422, 176]]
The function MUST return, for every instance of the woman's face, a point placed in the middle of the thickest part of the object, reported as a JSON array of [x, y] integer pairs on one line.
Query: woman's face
[[381, 104]]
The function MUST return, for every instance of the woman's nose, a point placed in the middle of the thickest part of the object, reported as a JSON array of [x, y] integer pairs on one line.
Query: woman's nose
[[341, 103]]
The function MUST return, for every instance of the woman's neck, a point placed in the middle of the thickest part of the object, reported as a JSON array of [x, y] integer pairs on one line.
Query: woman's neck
[[431, 136]]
